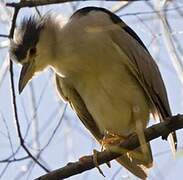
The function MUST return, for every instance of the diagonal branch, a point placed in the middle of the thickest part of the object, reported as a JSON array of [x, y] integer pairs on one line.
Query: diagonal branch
[[153, 132]]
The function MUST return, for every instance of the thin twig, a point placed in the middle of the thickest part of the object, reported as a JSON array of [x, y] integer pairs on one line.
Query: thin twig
[[34, 3], [38, 12], [169, 43], [14, 159], [8, 132], [4, 36], [152, 12], [14, 96]]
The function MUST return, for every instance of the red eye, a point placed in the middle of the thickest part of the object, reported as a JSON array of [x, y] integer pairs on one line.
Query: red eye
[[32, 51]]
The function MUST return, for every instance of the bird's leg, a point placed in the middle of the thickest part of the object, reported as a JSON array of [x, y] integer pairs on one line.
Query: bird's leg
[[140, 133], [111, 142], [109, 139]]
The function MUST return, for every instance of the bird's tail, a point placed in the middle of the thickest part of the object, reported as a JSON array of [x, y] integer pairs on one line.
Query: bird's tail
[[172, 137], [137, 162]]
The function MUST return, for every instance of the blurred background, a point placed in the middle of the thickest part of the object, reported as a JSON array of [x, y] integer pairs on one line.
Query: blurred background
[[51, 130]]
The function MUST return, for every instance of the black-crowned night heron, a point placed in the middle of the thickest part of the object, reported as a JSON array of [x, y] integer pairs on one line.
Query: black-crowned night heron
[[103, 70]]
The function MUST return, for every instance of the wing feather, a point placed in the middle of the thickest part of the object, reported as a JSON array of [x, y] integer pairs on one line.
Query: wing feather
[[146, 71], [68, 93]]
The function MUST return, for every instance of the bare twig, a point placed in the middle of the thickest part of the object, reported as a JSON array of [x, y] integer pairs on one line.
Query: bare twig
[[4, 169], [8, 132], [119, 6], [4, 36], [153, 132], [14, 97], [8, 160], [34, 3], [169, 43], [153, 11], [171, 48], [38, 12]]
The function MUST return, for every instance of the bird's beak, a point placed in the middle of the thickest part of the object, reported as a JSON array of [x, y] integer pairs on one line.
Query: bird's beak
[[26, 74]]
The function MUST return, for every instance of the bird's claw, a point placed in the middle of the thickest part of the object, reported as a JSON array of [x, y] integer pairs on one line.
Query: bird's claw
[[108, 164], [95, 152]]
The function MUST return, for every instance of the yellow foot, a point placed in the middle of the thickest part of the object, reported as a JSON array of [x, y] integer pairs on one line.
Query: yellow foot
[[111, 139]]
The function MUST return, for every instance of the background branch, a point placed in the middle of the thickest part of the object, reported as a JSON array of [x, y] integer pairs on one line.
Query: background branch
[[4, 35], [47, 2], [22, 143], [153, 132]]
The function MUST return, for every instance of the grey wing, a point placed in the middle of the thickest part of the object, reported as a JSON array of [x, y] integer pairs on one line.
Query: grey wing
[[68, 93], [145, 70]]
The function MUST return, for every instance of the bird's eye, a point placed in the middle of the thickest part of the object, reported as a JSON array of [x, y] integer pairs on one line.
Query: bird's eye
[[32, 51]]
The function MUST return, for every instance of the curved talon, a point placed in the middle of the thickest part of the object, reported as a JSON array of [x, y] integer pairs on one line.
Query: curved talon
[[108, 164], [96, 162], [129, 156]]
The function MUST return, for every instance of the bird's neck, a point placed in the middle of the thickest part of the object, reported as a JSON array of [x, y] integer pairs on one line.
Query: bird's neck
[[58, 47], [50, 39]]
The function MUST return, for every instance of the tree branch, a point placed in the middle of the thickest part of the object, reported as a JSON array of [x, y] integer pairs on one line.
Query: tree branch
[[159, 130], [33, 3]]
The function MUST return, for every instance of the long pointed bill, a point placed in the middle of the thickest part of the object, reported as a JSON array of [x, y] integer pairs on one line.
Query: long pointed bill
[[26, 74]]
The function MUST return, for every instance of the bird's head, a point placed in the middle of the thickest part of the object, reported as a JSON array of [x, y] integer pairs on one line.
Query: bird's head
[[27, 49]]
